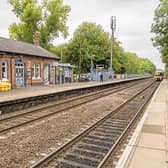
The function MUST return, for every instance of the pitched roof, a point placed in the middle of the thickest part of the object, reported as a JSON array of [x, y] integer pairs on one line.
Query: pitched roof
[[18, 47]]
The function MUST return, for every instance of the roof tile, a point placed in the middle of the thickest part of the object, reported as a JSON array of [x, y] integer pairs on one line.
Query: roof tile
[[18, 47]]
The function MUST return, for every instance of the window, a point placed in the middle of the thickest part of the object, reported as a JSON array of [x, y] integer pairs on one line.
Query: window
[[4, 70], [36, 71]]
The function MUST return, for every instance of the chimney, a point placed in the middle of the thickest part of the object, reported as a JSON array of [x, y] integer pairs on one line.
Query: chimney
[[36, 38]]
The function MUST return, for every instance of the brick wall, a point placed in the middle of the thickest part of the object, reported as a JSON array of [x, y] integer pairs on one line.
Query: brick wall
[[28, 60]]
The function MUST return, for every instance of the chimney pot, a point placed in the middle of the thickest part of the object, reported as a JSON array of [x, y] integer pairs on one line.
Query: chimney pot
[[36, 38]]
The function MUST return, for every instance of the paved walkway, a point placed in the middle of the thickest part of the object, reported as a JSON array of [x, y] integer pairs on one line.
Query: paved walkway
[[39, 90], [46, 89], [150, 149], [30, 91]]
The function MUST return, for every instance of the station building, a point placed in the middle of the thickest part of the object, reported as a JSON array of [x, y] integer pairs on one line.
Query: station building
[[25, 64]]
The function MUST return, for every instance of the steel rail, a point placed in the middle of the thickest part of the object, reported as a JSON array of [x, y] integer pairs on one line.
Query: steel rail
[[75, 139], [26, 102], [113, 90], [125, 131], [65, 101]]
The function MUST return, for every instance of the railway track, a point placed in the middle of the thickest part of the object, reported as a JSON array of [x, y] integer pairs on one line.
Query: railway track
[[9, 122], [27, 102], [92, 147]]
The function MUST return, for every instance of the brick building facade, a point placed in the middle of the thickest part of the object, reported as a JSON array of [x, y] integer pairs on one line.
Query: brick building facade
[[25, 64]]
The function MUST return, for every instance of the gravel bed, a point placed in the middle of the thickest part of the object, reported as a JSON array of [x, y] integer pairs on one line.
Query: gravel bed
[[23, 147]]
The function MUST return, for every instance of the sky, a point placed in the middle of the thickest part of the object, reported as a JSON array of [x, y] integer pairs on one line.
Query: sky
[[133, 22]]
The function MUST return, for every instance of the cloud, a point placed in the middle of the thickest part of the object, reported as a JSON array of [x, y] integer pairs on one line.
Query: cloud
[[134, 19], [7, 18]]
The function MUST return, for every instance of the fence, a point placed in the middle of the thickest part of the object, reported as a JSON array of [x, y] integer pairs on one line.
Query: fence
[[107, 75]]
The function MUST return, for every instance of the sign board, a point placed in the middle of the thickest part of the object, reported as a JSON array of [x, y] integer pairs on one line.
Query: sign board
[[55, 64], [19, 61]]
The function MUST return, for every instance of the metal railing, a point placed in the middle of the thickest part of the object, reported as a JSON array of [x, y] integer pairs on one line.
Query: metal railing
[[107, 76]]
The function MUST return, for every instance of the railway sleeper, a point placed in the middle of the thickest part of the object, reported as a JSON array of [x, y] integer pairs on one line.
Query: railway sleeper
[[101, 138], [87, 153], [80, 160], [96, 142], [92, 147], [71, 164]]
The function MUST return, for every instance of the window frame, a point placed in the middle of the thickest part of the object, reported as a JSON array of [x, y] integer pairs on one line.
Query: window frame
[[6, 69], [36, 71]]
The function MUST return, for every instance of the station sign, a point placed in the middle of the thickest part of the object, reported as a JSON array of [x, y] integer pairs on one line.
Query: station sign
[[19, 61]]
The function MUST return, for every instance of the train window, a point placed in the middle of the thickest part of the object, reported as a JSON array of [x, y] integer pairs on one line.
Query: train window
[[159, 73]]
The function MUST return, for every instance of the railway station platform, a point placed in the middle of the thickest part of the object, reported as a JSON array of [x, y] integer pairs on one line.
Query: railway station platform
[[148, 147], [31, 91]]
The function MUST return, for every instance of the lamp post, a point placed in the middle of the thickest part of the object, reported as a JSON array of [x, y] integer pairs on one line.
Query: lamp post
[[113, 27]]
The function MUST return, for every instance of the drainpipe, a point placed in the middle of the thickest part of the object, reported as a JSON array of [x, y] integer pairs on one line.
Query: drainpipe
[[11, 67]]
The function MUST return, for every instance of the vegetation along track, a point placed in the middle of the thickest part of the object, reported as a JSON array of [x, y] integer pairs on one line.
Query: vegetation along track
[[92, 147], [12, 121]]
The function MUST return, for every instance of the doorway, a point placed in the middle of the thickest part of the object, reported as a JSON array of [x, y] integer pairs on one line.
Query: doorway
[[46, 74], [20, 75]]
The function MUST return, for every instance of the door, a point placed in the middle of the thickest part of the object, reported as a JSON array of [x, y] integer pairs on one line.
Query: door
[[46, 74], [19, 75], [53, 75]]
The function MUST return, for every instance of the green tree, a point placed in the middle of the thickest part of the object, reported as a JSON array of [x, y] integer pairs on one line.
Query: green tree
[[160, 29], [61, 51], [130, 62], [118, 58], [90, 41], [166, 70], [135, 65], [49, 19], [146, 66]]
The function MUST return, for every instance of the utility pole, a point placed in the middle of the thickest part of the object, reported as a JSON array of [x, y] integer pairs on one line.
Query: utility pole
[[80, 59], [113, 27], [61, 54]]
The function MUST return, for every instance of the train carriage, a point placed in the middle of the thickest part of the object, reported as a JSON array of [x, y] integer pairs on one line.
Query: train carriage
[[159, 75]]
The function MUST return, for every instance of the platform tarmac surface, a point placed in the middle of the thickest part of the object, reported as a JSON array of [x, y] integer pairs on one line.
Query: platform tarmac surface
[[30, 91], [150, 149]]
